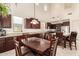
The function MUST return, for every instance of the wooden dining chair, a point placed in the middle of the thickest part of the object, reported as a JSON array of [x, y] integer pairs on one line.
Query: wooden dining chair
[[53, 47], [19, 49], [60, 37], [72, 39], [53, 52], [46, 35], [42, 35]]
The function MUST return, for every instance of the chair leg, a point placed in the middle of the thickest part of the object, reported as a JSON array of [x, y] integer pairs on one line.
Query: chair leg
[[70, 44], [75, 45], [64, 43]]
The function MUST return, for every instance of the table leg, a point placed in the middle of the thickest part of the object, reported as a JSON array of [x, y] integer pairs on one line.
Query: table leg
[[33, 52], [65, 42]]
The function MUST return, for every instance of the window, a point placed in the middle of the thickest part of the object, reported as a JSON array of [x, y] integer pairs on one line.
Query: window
[[17, 24]]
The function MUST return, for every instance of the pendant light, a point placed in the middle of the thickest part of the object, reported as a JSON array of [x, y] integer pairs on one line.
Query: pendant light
[[45, 7], [34, 21]]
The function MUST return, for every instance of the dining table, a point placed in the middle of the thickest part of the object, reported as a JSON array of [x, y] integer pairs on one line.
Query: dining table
[[37, 45]]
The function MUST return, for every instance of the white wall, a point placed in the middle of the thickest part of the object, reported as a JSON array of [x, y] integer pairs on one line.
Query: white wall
[[22, 10], [26, 10]]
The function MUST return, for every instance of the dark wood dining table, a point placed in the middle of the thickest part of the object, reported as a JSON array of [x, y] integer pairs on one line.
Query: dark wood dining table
[[38, 45]]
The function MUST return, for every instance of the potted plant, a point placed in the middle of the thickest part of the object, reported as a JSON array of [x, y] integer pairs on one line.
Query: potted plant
[[3, 9]]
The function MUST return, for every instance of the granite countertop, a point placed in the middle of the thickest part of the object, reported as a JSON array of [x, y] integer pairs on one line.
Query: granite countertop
[[14, 34], [18, 34], [11, 35]]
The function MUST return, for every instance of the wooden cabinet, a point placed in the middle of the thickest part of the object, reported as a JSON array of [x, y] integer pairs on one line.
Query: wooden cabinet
[[5, 21], [6, 44], [51, 26], [0, 21], [9, 43], [2, 45], [58, 25], [0, 24], [66, 23], [28, 24]]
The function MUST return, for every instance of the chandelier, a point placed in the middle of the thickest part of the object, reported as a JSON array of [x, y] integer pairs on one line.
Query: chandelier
[[34, 21]]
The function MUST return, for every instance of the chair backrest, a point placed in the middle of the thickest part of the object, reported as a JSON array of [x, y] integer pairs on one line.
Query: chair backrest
[[17, 48], [46, 36], [53, 45], [42, 35], [73, 35], [20, 38], [59, 34]]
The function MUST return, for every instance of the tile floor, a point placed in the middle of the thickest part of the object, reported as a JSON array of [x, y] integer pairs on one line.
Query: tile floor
[[60, 51]]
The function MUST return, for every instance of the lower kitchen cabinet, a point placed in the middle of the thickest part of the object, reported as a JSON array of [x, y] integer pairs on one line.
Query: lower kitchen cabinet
[[9, 43], [2, 45], [6, 44]]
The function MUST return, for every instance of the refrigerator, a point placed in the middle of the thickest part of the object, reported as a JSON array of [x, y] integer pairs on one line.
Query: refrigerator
[[65, 29]]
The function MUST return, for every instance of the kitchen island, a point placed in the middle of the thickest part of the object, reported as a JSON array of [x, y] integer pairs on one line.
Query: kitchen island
[[7, 42]]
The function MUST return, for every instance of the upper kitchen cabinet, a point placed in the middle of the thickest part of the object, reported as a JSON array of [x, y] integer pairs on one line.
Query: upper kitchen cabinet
[[29, 25], [6, 21], [51, 26], [66, 23], [0, 21]]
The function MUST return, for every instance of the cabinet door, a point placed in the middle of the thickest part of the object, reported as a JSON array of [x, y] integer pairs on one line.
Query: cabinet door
[[66, 23], [54, 26], [2, 45], [0, 21], [6, 21], [9, 43]]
